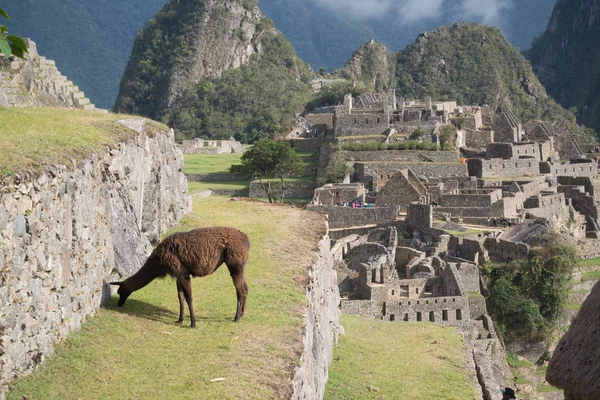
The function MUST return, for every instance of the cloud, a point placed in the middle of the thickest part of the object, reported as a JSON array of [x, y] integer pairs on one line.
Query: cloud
[[410, 12]]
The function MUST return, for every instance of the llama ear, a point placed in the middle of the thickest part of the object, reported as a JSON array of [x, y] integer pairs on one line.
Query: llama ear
[[116, 283]]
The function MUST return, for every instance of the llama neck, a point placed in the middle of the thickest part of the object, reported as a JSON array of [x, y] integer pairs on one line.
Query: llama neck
[[150, 270]]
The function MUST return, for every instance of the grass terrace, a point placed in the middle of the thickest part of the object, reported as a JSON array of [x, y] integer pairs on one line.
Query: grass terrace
[[138, 352], [31, 138], [590, 262], [210, 163], [391, 360]]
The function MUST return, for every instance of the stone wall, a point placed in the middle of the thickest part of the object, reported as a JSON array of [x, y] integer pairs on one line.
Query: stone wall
[[215, 177], [346, 217], [367, 172], [321, 327], [201, 146], [478, 139], [68, 231], [498, 168], [403, 155], [506, 250], [575, 170], [300, 190]]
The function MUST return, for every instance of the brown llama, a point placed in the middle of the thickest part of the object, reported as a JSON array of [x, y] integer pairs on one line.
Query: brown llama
[[195, 253]]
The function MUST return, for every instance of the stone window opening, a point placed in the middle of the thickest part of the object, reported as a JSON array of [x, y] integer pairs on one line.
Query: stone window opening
[[454, 300], [503, 165], [431, 316], [392, 317], [392, 292], [444, 315], [417, 290], [404, 291], [384, 308], [378, 120], [406, 317], [355, 121], [444, 300], [426, 301], [459, 315], [366, 120], [409, 303], [418, 302], [419, 318]]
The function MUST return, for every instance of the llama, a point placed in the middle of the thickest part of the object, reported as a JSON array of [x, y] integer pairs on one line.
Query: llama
[[195, 253]]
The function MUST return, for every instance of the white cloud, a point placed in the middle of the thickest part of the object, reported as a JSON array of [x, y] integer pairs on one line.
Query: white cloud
[[414, 11]]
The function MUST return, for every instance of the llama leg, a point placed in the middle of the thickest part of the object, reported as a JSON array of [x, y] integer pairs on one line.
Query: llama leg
[[181, 301], [241, 290], [186, 284]]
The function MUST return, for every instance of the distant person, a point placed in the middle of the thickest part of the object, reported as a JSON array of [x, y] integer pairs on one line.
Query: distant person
[[508, 393]]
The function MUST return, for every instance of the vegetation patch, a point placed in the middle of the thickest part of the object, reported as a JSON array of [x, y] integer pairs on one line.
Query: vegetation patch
[[31, 138], [547, 388], [197, 187], [138, 352], [590, 276], [590, 262], [515, 362], [527, 297], [376, 360]]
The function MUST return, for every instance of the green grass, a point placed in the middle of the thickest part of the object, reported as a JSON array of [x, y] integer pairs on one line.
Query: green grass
[[574, 306], [402, 360], [521, 380], [210, 163], [31, 138], [582, 291], [590, 262], [514, 362], [547, 388], [138, 352], [540, 372], [590, 276], [196, 187]]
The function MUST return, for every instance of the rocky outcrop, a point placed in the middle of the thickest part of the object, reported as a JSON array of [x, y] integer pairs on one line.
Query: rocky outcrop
[[35, 82], [372, 64], [574, 366], [67, 231], [321, 327]]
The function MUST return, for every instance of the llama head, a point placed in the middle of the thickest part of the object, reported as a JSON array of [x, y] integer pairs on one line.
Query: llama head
[[123, 292]]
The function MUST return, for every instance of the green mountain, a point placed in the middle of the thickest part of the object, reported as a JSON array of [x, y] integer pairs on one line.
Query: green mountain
[[567, 58], [91, 40], [214, 69], [473, 64]]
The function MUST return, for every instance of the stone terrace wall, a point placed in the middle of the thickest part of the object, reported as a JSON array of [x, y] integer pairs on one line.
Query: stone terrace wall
[[478, 139], [422, 170], [300, 190], [322, 327], [346, 217], [403, 155], [67, 232], [498, 168]]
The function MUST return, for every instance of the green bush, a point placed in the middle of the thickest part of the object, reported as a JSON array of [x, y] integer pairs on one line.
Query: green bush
[[528, 297]]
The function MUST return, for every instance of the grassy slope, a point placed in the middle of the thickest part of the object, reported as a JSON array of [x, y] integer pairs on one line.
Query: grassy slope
[[210, 163], [34, 137], [402, 360], [138, 352]]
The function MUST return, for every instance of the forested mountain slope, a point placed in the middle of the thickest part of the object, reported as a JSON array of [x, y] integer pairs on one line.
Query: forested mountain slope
[[214, 69], [567, 58]]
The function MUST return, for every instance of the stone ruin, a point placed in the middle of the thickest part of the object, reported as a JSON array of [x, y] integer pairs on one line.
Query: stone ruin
[[35, 82], [203, 146], [406, 278]]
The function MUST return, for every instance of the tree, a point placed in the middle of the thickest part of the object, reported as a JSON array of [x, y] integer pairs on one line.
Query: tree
[[268, 160], [10, 45]]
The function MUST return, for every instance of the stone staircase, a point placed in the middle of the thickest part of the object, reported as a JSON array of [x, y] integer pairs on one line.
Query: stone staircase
[[37, 82]]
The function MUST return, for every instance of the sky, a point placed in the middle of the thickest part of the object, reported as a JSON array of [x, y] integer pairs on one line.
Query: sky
[[411, 12]]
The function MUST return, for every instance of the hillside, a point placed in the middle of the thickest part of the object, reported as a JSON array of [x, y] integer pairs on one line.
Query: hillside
[[473, 64], [567, 58], [229, 72]]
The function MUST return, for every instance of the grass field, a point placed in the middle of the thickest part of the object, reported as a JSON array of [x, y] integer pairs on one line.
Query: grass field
[[210, 163], [590, 276], [590, 262], [31, 138], [391, 360], [138, 352]]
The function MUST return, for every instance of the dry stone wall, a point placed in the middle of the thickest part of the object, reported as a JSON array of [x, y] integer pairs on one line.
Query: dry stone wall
[[322, 327], [66, 232]]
